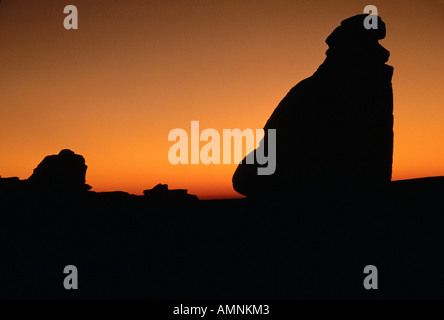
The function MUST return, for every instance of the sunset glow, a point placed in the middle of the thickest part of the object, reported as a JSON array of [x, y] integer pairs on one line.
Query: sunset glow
[[134, 70]]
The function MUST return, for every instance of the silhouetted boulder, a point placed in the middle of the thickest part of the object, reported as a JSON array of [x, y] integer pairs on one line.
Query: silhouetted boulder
[[63, 172], [9, 180], [334, 128], [161, 193], [11, 184]]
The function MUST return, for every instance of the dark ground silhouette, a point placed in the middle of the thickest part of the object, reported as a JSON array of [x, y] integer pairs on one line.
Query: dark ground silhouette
[[127, 246], [313, 240]]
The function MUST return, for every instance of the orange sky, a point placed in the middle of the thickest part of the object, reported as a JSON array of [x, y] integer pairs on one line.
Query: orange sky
[[136, 69]]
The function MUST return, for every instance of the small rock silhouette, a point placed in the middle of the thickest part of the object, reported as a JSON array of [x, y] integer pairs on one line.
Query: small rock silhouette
[[63, 172], [161, 193]]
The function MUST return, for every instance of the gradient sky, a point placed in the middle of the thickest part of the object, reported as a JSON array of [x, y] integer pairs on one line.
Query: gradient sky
[[136, 69]]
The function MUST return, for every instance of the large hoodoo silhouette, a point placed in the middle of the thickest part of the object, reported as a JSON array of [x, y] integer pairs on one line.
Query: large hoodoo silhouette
[[335, 127]]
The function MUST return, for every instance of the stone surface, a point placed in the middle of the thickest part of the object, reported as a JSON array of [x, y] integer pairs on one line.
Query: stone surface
[[335, 127], [65, 172], [161, 193]]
